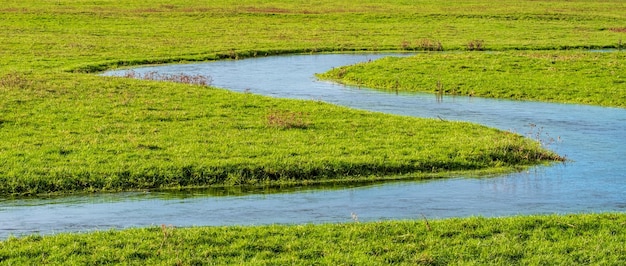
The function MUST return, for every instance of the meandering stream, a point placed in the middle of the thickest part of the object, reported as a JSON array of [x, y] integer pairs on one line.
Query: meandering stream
[[593, 138]]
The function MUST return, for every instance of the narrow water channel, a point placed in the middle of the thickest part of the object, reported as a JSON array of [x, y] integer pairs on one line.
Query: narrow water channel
[[594, 138]]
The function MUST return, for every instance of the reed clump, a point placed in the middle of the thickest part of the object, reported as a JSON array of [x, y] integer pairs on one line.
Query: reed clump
[[424, 44], [429, 45], [15, 80], [476, 45], [288, 120], [198, 79]]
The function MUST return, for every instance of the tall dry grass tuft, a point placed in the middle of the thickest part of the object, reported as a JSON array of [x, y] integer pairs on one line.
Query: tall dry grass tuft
[[426, 222], [476, 45], [15, 80], [288, 120], [179, 78], [535, 132], [543, 138], [405, 45], [622, 30], [429, 45], [422, 45]]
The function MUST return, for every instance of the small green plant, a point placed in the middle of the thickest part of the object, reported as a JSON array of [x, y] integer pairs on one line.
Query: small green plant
[[288, 120]]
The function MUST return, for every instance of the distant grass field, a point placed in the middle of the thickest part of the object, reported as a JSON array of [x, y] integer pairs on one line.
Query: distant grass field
[[585, 239], [58, 35], [584, 77]]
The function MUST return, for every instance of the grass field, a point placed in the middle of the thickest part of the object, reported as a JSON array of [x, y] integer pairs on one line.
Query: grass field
[[589, 239], [112, 134], [558, 76], [64, 129], [67, 130]]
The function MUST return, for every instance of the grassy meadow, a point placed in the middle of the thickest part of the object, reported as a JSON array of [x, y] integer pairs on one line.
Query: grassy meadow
[[557, 76], [64, 129], [132, 134], [586, 239]]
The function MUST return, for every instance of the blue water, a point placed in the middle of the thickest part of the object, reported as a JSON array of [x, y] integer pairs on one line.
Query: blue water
[[593, 138]]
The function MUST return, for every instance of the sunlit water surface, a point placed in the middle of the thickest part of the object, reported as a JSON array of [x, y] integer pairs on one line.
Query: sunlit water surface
[[593, 138]]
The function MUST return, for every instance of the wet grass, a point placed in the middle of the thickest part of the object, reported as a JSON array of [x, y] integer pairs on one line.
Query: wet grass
[[584, 77], [584, 239]]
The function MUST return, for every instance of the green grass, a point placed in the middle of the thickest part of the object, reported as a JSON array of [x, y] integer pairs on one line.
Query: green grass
[[63, 34], [584, 239], [557, 76], [112, 134], [64, 130]]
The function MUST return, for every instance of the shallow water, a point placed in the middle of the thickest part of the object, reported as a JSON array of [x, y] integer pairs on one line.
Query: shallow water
[[593, 138]]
